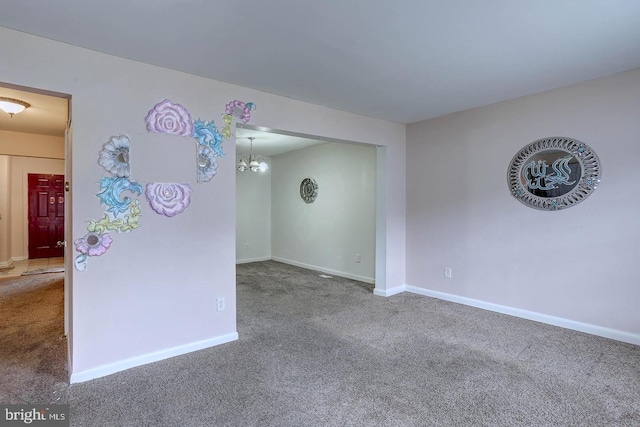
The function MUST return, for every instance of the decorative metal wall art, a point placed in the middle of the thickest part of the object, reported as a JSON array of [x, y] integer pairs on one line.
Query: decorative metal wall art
[[554, 173], [309, 190]]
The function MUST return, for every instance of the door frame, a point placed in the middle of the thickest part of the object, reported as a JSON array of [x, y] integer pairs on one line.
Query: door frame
[[68, 218], [380, 268]]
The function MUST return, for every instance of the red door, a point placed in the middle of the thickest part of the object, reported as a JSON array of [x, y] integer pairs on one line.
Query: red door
[[46, 215]]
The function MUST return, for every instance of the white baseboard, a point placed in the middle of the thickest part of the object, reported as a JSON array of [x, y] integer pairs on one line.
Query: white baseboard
[[532, 315], [11, 260], [247, 260], [389, 292], [112, 368], [326, 270]]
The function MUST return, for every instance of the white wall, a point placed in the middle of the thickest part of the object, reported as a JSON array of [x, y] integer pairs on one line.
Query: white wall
[[21, 167], [153, 294], [31, 145], [26, 150], [577, 264], [253, 215], [327, 234]]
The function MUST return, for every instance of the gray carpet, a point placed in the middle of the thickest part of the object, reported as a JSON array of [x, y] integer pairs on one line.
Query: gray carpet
[[326, 352], [32, 347]]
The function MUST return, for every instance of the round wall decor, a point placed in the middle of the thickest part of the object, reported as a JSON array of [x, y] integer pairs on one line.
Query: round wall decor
[[308, 190], [553, 173]]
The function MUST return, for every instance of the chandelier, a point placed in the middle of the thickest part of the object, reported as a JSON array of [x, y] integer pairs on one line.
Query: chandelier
[[251, 163]]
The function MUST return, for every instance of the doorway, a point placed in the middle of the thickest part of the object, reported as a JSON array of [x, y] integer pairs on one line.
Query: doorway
[[35, 214], [347, 220]]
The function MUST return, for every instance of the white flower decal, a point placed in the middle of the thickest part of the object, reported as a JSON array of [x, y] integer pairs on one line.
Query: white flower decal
[[206, 163], [114, 156]]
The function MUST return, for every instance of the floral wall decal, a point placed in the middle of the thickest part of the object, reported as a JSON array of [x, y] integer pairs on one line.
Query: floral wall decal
[[170, 118], [206, 163], [206, 133], [91, 244], [122, 214], [168, 199], [226, 129], [114, 156], [240, 110], [128, 222], [111, 191]]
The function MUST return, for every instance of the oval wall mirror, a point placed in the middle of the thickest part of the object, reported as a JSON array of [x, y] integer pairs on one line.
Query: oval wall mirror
[[553, 173]]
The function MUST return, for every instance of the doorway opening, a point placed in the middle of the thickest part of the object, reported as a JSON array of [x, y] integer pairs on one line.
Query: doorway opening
[[342, 257], [35, 208]]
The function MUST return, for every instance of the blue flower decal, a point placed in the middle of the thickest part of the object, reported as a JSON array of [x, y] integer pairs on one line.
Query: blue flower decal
[[207, 133], [111, 189]]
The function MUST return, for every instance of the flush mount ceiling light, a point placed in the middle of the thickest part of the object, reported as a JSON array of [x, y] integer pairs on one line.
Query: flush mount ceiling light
[[252, 163], [13, 106]]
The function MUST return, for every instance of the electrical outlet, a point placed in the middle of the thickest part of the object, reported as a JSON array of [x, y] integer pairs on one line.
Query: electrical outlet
[[448, 273], [358, 258], [220, 304]]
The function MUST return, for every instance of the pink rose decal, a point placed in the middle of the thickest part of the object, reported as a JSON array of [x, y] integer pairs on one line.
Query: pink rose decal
[[170, 118], [168, 199]]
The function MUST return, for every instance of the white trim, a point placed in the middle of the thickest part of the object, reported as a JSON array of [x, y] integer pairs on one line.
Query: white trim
[[112, 368], [9, 263], [326, 270], [532, 315], [389, 292], [248, 260], [380, 273]]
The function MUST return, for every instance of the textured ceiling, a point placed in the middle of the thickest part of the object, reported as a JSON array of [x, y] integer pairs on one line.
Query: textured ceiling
[[402, 61]]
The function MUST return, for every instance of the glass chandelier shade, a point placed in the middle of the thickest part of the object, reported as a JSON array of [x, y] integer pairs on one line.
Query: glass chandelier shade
[[13, 106], [252, 163]]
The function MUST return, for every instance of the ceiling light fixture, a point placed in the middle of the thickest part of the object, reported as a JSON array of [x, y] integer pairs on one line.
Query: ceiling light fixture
[[252, 163], [13, 106]]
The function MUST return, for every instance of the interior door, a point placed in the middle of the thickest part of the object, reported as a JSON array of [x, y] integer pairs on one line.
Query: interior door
[[46, 216]]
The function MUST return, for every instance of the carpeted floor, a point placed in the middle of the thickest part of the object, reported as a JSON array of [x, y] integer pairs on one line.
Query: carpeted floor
[[327, 352], [32, 346]]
